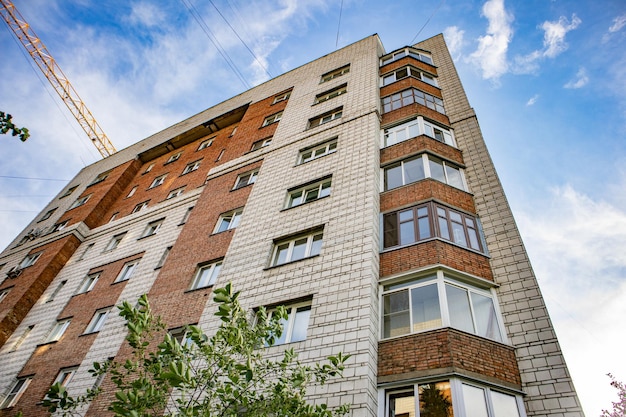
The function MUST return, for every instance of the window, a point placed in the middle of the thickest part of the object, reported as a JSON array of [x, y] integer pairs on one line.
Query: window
[[414, 224], [300, 247], [30, 259], [158, 181], [173, 158], [4, 293], [87, 249], [131, 192], [79, 202], [182, 336], [326, 117], [47, 215], [327, 95], [163, 257], [113, 216], [297, 323], [186, 216], [56, 291], [220, 155], [88, 283], [65, 376], [233, 132], [274, 118], [423, 166], [206, 275], [410, 96], [228, 220], [281, 97], [59, 226], [175, 193], [412, 52], [438, 300], [247, 178], [127, 271], [414, 128], [434, 399], [97, 322], [317, 151], [191, 167], [152, 228], [99, 178], [408, 71], [149, 168], [308, 193], [68, 192], [141, 206], [57, 331], [261, 144], [206, 143], [483, 401], [16, 392], [115, 242], [335, 73], [21, 339]]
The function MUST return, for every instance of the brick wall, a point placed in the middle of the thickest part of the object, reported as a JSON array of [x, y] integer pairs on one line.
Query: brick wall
[[426, 189]]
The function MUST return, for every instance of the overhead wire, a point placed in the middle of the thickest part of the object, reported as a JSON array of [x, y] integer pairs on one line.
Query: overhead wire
[[339, 24], [31, 178], [205, 28], [427, 20], [242, 41]]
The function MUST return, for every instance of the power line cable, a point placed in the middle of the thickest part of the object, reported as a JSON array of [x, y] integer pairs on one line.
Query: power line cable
[[428, 20], [205, 28], [31, 178], [339, 24], [242, 41]]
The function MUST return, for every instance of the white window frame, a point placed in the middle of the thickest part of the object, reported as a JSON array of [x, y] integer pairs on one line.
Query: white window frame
[[181, 334], [228, 220], [261, 144], [441, 279], [411, 72], [206, 143], [247, 178], [69, 191], [88, 283], [115, 242], [404, 52], [282, 97], [127, 271], [330, 94], [309, 250], [59, 226], [22, 338], [16, 392], [4, 293], [152, 228], [175, 193], [425, 163], [174, 157], [206, 275], [309, 193], [56, 291], [317, 151], [338, 72], [99, 178], [65, 375], [192, 166], [416, 127], [149, 168], [412, 96], [288, 326], [48, 214], [326, 117], [97, 321], [158, 181], [57, 330], [272, 118], [132, 191], [141, 206], [80, 201], [30, 260]]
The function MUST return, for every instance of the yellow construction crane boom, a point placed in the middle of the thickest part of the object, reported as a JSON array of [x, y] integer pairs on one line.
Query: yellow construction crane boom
[[53, 73]]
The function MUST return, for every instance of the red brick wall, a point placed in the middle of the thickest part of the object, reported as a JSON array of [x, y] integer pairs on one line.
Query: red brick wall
[[408, 60], [409, 82], [434, 252], [445, 348], [423, 190], [32, 282], [419, 144], [414, 109]]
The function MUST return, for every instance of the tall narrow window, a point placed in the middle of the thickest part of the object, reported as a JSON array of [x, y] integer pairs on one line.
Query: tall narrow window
[[163, 257], [57, 330], [22, 338], [206, 275], [127, 271], [274, 118], [152, 228], [131, 192], [228, 220], [97, 322], [186, 216], [88, 283], [65, 376], [113, 243], [4, 293], [16, 392], [56, 291], [247, 178], [297, 323], [158, 181]]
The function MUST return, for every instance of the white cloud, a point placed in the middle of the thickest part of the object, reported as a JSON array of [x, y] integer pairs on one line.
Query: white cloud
[[490, 56], [146, 14], [454, 39], [554, 36], [532, 100], [580, 81], [576, 244], [618, 23]]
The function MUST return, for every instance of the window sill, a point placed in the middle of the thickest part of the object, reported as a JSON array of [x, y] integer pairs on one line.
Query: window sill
[[431, 239], [305, 203], [290, 262], [145, 237], [199, 289]]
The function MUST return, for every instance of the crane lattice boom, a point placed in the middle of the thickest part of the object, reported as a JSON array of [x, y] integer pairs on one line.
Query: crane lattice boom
[[53, 73]]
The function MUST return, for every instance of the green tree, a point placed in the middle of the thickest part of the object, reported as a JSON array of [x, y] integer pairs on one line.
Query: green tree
[[6, 125], [222, 375]]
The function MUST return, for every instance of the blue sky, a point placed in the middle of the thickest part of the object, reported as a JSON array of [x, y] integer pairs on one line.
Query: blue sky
[[547, 80]]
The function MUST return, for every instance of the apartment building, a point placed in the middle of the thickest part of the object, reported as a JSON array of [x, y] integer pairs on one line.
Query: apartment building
[[356, 190]]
